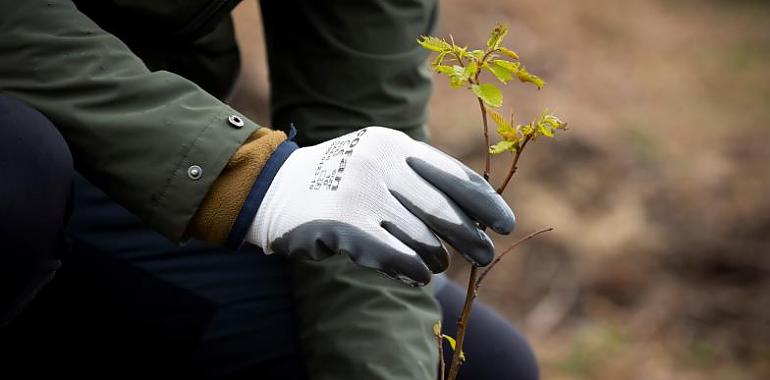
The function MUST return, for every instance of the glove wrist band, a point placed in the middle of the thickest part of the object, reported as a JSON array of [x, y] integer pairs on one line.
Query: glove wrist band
[[257, 193]]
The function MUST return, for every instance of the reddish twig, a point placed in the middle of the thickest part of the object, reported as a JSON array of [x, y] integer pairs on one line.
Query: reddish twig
[[470, 295], [462, 324], [440, 339], [511, 248], [486, 140], [514, 165]]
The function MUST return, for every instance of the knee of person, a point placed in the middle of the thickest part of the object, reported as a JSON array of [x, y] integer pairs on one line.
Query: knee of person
[[521, 353], [510, 355], [31, 142]]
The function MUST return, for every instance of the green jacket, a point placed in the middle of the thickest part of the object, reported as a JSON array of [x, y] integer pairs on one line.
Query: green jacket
[[132, 131]]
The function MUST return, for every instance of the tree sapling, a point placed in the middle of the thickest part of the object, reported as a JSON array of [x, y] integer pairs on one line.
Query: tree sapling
[[464, 68]]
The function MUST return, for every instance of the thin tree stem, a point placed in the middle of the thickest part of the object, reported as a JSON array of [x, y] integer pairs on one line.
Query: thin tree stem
[[442, 364], [462, 324], [511, 248], [470, 295], [486, 139], [514, 165]]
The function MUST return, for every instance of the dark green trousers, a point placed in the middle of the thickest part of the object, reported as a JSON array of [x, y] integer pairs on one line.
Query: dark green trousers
[[336, 66]]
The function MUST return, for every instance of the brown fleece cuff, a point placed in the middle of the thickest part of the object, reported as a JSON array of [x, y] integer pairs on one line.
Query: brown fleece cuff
[[219, 209]]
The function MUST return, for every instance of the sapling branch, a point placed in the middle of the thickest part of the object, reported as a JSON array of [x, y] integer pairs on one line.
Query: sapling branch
[[462, 323], [487, 157], [440, 340], [514, 164], [466, 73], [508, 250]]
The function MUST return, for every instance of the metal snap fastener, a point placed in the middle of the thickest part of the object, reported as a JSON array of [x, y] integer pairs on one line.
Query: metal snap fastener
[[194, 172], [235, 121]]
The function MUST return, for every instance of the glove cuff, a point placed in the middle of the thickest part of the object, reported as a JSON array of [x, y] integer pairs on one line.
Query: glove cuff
[[257, 193]]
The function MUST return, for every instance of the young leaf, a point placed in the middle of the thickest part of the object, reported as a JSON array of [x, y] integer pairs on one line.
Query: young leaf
[[457, 77], [434, 43], [520, 72], [552, 120], [526, 129], [451, 340], [496, 36], [499, 119], [547, 123], [443, 69], [453, 344], [478, 55], [460, 51], [509, 66], [437, 329], [525, 76], [544, 130], [503, 146], [502, 74], [470, 70], [508, 52], [489, 93], [508, 133], [440, 58]]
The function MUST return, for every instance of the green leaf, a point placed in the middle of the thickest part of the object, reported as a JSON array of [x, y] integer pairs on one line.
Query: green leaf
[[545, 130], [508, 133], [552, 120], [489, 93], [508, 52], [434, 43], [437, 329], [504, 128], [477, 54], [525, 76], [443, 69], [457, 77], [503, 146], [547, 123], [440, 58], [509, 66], [461, 51], [526, 129], [453, 344], [470, 70], [496, 36], [502, 74], [520, 72], [499, 119]]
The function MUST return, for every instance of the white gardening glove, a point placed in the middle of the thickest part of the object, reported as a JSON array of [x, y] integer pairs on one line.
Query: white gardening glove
[[382, 198]]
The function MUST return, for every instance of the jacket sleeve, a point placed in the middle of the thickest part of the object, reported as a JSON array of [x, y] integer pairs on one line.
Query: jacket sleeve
[[153, 141]]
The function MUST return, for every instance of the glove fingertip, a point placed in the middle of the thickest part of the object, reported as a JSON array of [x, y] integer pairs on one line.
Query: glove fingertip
[[505, 224], [484, 253], [435, 257]]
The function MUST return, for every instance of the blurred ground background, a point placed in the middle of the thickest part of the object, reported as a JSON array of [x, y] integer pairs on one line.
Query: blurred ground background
[[659, 267]]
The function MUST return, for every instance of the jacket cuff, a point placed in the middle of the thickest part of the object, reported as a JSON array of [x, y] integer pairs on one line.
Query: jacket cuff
[[218, 210], [250, 207]]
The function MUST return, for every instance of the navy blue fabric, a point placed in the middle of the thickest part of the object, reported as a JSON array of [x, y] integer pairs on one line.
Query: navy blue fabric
[[292, 132], [127, 299], [257, 194], [35, 182]]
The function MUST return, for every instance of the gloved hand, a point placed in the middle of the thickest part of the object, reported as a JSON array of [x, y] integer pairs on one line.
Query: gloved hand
[[382, 198]]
